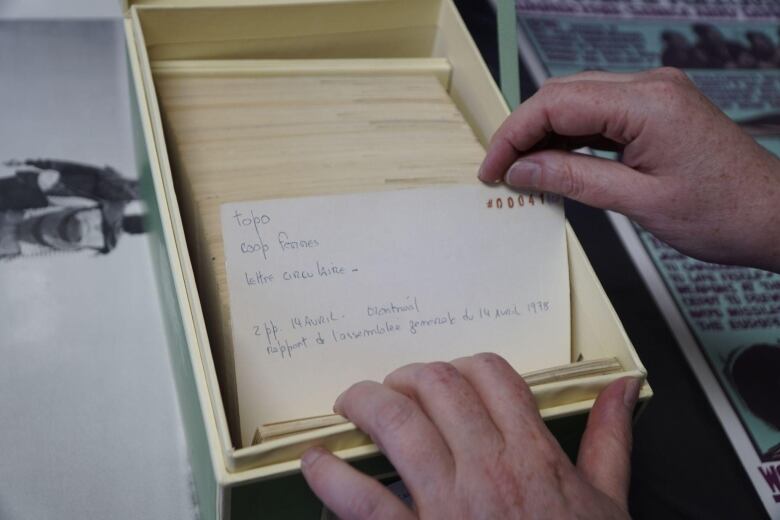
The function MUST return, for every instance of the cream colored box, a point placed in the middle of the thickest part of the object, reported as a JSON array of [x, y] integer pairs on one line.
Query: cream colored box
[[251, 38]]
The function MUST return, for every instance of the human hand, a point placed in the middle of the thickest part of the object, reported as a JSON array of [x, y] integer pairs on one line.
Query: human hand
[[688, 174], [468, 441]]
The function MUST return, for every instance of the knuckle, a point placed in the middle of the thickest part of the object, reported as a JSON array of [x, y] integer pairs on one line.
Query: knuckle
[[392, 415], [669, 90], [490, 358], [525, 397], [524, 388], [493, 360], [438, 373], [548, 85], [569, 179], [366, 505], [672, 74], [672, 93], [399, 373], [520, 389], [551, 89]]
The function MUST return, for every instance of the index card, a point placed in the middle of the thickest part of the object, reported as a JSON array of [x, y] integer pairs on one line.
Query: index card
[[327, 291]]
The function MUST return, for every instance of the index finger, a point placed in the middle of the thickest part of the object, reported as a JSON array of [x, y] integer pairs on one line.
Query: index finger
[[575, 109], [403, 432]]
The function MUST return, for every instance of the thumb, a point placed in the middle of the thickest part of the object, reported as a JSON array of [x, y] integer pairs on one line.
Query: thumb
[[592, 180], [605, 450]]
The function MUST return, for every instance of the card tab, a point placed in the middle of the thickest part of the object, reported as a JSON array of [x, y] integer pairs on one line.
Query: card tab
[[327, 291]]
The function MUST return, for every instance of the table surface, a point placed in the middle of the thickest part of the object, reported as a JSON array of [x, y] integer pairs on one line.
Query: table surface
[[71, 452]]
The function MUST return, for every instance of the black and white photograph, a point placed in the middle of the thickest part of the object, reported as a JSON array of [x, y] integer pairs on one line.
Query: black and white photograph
[[49, 206], [710, 49], [752, 371], [90, 427]]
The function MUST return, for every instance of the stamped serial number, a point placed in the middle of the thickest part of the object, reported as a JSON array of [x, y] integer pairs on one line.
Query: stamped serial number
[[522, 200]]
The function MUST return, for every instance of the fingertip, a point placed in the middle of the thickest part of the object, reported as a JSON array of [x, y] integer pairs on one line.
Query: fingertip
[[499, 156], [311, 456], [605, 449], [631, 392], [317, 468], [345, 490], [619, 396], [337, 407], [486, 175], [481, 173]]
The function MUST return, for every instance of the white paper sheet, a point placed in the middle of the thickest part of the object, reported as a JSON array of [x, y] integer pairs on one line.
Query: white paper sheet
[[327, 291]]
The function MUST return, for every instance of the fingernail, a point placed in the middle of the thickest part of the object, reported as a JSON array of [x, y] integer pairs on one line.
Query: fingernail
[[310, 456], [524, 174], [631, 392], [337, 404], [481, 176]]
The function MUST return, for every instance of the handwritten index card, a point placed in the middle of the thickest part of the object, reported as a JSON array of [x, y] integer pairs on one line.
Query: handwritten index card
[[328, 291]]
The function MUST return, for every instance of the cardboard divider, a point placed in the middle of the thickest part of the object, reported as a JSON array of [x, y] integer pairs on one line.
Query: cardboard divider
[[438, 67]]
